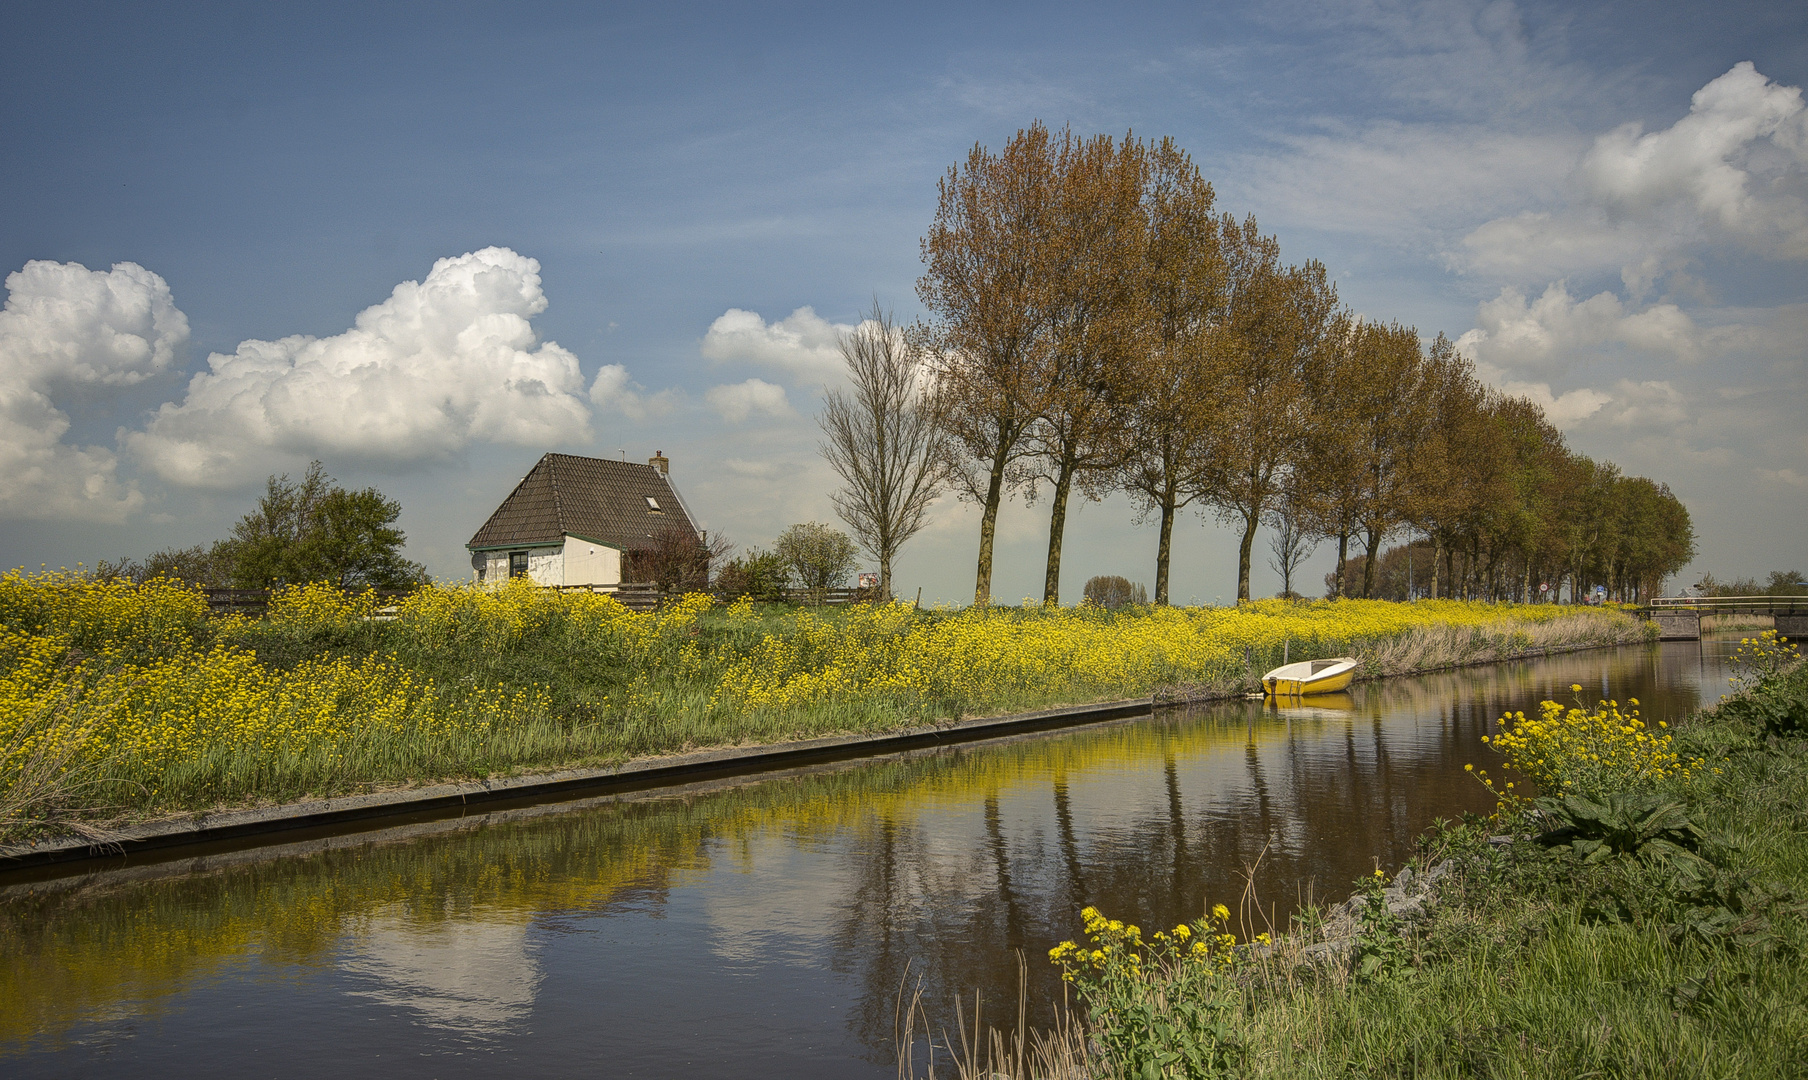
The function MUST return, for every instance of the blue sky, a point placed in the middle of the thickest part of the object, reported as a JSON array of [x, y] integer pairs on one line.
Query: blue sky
[[635, 208]]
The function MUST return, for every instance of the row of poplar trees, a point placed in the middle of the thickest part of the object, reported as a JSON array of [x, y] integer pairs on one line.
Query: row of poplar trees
[[1097, 325]]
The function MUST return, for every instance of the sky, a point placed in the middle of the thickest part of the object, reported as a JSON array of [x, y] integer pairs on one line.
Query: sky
[[425, 244]]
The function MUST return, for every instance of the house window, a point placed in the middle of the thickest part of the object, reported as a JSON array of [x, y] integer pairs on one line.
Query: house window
[[517, 564], [653, 506]]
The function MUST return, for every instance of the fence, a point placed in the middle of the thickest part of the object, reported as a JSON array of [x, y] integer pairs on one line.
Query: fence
[[635, 596], [648, 597], [255, 602], [1772, 604]]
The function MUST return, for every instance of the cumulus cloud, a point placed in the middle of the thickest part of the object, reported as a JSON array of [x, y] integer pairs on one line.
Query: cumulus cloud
[[1708, 159], [1564, 409], [1735, 169], [444, 362], [68, 330], [1556, 330], [615, 391], [803, 344], [736, 402]]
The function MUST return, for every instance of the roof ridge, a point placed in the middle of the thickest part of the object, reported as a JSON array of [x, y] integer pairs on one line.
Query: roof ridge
[[558, 505]]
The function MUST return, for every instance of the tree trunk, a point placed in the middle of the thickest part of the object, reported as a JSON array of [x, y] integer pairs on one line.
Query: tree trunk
[[988, 527], [1057, 525], [1343, 555], [1165, 547], [1368, 568], [1437, 552], [1250, 523]]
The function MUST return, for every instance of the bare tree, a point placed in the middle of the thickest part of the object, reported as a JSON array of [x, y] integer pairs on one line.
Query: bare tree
[[1291, 543], [883, 441], [676, 559]]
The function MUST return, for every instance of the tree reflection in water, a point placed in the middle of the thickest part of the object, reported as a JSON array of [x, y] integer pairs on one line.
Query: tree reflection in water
[[841, 879]]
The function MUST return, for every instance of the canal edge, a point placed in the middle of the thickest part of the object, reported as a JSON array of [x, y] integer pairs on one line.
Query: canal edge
[[669, 771]]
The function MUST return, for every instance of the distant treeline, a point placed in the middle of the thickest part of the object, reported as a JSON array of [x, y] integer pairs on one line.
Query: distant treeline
[[1097, 326]]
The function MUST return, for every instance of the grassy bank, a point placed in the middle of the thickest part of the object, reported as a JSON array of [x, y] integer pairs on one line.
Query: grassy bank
[[120, 699], [1644, 919]]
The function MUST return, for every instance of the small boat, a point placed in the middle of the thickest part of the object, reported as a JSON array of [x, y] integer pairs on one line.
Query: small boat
[[1311, 677]]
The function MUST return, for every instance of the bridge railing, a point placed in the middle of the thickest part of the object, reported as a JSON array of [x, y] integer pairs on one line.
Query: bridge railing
[[1743, 605]]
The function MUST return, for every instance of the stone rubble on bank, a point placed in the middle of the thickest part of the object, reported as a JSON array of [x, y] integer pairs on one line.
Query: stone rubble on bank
[[1409, 898]]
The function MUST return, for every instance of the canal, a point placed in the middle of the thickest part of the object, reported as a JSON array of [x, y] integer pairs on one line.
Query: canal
[[759, 926]]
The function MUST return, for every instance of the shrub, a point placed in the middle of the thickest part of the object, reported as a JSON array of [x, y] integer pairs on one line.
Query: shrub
[[1161, 1007], [1586, 752], [1111, 591], [760, 574], [820, 556]]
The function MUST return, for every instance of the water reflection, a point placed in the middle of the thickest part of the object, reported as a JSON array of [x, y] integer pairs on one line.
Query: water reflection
[[466, 976], [757, 926]]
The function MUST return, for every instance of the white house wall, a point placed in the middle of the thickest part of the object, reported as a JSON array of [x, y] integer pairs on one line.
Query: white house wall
[[495, 568], [588, 563], [546, 566]]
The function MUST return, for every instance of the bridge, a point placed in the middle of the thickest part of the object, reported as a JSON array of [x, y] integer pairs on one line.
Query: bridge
[[1678, 618]]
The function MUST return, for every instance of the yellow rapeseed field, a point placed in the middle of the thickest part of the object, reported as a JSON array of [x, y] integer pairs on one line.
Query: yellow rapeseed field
[[121, 695]]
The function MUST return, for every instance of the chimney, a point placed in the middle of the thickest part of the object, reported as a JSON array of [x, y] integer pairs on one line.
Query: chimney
[[661, 462]]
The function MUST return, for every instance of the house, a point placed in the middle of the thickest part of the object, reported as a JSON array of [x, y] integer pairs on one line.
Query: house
[[572, 521]]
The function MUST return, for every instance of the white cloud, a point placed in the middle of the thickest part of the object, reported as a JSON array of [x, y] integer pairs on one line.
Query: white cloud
[[1405, 183], [1707, 159], [614, 390], [736, 402], [1735, 169], [803, 344], [67, 329], [759, 470], [1652, 404], [1556, 331], [1563, 410], [1784, 476], [442, 363]]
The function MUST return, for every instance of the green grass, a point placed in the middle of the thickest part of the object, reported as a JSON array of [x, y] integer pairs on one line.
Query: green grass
[[120, 702], [1537, 965]]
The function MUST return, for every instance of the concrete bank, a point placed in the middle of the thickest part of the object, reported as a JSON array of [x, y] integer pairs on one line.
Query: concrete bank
[[452, 800], [266, 825]]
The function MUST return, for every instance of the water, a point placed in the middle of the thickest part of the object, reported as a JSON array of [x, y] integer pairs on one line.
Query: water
[[751, 927]]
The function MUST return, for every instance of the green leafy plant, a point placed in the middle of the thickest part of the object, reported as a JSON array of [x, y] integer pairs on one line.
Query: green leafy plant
[[1383, 949], [1620, 823], [1776, 704], [1160, 1008]]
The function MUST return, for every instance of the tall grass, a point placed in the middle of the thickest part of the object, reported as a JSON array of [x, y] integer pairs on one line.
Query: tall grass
[[326, 695], [1535, 962]]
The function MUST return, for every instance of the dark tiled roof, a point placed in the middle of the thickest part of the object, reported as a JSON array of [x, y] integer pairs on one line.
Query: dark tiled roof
[[600, 500]]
